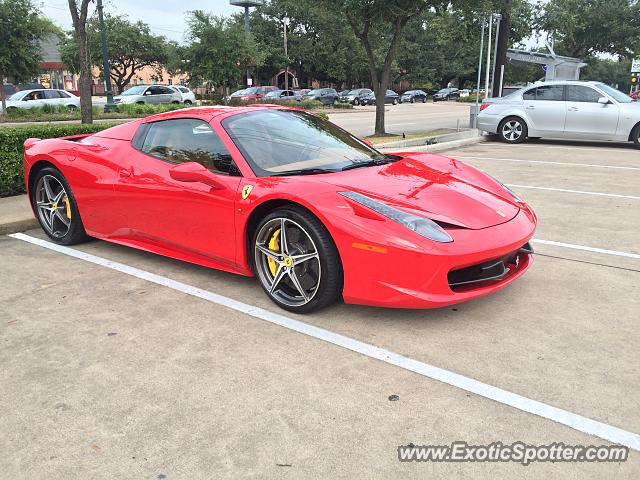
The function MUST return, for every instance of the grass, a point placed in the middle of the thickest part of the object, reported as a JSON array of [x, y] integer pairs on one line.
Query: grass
[[392, 137]]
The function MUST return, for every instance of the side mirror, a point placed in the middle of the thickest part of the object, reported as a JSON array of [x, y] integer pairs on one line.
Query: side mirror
[[603, 101], [195, 172], [148, 92]]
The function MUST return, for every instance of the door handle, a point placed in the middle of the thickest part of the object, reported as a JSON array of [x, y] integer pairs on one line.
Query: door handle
[[573, 109], [531, 107]]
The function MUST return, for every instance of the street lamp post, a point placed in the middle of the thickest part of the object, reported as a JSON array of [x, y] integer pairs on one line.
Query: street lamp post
[[246, 4], [110, 106]]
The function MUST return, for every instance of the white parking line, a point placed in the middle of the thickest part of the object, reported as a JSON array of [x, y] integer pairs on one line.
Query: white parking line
[[564, 417], [547, 163], [586, 249], [624, 147], [581, 192]]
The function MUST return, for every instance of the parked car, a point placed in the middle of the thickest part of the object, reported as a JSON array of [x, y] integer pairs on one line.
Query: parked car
[[42, 97], [464, 93], [328, 96], [253, 93], [188, 97], [283, 96], [324, 217], [567, 109], [412, 96], [302, 91], [390, 97], [355, 96], [446, 94], [141, 94]]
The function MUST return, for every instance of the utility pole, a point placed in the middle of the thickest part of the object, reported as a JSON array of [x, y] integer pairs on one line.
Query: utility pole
[[498, 17], [486, 78], [106, 71], [286, 55], [475, 118]]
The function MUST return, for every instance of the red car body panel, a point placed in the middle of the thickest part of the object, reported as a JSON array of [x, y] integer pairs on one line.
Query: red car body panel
[[127, 197]]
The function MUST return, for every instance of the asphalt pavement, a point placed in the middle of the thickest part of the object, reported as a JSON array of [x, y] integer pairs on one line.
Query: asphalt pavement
[[154, 368]]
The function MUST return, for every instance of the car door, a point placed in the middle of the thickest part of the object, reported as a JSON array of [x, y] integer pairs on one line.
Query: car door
[[161, 94], [587, 117], [52, 97], [33, 99], [545, 109], [189, 217]]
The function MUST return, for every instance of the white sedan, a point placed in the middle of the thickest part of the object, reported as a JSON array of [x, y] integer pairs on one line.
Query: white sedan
[[42, 97], [188, 97], [563, 109]]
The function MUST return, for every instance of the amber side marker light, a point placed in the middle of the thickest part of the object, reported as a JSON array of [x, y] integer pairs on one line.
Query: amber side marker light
[[369, 248]]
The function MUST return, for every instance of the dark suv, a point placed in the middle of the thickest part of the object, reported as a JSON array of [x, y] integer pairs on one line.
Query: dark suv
[[446, 94], [355, 96], [328, 96]]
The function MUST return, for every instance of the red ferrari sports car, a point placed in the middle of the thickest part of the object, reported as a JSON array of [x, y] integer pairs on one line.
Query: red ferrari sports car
[[312, 211]]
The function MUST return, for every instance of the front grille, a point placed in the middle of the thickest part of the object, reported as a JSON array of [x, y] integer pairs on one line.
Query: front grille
[[487, 272]]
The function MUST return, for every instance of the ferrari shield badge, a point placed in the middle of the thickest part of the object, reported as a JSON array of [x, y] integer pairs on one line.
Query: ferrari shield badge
[[246, 191]]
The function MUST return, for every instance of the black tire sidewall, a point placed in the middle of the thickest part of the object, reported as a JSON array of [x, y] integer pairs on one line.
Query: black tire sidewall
[[331, 277], [76, 233], [521, 138], [635, 136]]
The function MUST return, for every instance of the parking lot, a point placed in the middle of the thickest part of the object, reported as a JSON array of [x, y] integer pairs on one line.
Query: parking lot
[[153, 368]]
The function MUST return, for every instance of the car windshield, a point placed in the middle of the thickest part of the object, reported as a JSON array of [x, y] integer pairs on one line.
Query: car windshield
[[238, 92], [617, 95], [139, 90], [274, 94], [285, 142], [444, 90], [250, 91], [16, 96], [317, 91]]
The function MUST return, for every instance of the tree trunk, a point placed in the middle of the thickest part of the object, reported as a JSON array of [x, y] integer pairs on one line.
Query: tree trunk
[[503, 44], [2, 99], [86, 112]]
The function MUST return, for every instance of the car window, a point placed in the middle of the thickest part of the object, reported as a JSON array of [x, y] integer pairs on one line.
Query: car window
[[159, 90], [51, 94], [579, 93], [546, 92], [64, 94], [188, 140], [35, 95], [302, 141], [617, 95], [16, 96], [184, 89]]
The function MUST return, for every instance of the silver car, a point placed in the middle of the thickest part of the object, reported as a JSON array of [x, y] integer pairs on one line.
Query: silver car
[[149, 94], [569, 109]]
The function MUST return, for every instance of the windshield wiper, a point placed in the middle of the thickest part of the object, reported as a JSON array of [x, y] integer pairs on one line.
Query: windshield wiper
[[368, 163], [303, 171]]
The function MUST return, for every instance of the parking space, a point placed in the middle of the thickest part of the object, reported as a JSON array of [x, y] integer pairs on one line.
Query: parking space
[[127, 374]]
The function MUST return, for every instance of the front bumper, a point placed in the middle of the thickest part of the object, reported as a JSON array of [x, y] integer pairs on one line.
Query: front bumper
[[409, 278]]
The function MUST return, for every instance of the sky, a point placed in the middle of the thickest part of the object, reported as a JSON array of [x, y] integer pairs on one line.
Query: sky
[[165, 18]]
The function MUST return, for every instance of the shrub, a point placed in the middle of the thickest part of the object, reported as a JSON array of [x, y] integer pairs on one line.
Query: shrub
[[11, 150]]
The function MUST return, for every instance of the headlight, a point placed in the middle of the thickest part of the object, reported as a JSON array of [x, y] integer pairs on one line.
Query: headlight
[[421, 225]]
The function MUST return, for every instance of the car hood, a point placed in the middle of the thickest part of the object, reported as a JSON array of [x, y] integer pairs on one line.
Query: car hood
[[439, 188]]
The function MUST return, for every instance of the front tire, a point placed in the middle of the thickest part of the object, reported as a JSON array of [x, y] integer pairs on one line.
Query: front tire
[[356, 102], [56, 207], [512, 130], [394, 102], [296, 260]]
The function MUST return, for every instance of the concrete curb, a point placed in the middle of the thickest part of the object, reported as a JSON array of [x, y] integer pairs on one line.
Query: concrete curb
[[16, 215], [440, 143]]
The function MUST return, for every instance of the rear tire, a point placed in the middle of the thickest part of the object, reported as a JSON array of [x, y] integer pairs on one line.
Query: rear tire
[[301, 286], [356, 102], [394, 101], [188, 102], [635, 136], [56, 207], [512, 130]]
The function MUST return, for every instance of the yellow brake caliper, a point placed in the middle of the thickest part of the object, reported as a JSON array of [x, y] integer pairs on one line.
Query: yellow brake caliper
[[274, 246], [68, 207]]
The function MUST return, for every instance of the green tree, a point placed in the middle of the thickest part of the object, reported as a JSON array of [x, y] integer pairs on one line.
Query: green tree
[[131, 46], [321, 47], [219, 50], [21, 27], [582, 28], [379, 25]]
